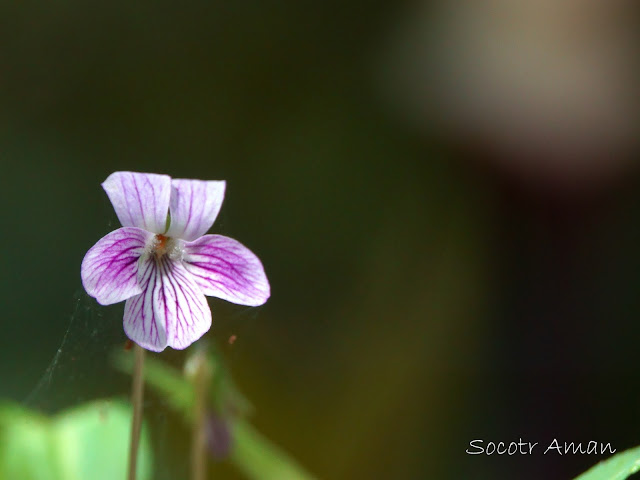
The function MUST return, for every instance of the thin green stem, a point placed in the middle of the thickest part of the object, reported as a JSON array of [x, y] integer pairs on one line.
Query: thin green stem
[[137, 398], [198, 445]]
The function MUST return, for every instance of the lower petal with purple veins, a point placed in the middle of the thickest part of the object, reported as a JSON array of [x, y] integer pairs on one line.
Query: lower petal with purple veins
[[170, 311], [109, 268], [224, 268]]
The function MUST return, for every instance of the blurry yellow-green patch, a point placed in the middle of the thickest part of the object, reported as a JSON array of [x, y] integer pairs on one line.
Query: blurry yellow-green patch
[[90, 441]]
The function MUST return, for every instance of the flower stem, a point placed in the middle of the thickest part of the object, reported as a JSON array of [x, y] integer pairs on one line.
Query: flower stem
[[198, 445], [137, 397]]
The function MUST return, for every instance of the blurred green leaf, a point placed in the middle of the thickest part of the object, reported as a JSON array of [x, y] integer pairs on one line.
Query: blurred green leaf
[[259, 459], [90, 441], [618, 467], [225, 395], [252, 453], [25, 445], [164, 379]]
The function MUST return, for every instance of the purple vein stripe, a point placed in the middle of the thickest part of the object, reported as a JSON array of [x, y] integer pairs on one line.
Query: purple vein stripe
[[194, 206], [226, 269], [171, 311], [140, 199], [109, 268]]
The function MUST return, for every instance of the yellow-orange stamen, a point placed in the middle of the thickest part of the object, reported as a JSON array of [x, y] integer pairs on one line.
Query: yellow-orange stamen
[[160, 245]]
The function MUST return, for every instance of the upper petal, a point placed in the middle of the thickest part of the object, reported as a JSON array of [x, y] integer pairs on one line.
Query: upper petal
[[140, 199], [226, 269], [170, 311], [109, 268], [194, 207]]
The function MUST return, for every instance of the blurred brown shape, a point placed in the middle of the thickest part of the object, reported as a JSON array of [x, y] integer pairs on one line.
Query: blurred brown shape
[[548, 89]]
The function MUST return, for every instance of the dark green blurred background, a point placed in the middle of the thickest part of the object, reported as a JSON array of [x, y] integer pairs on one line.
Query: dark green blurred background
[[419, 299]]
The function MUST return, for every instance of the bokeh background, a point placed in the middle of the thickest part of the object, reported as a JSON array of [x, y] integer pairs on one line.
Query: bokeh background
[[444, 196]]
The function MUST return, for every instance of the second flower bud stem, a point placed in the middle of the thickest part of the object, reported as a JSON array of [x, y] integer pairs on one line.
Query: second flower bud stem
[[201, 376]]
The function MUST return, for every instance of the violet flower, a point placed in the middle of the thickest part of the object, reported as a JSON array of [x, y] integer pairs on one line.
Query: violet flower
[[162, 263]]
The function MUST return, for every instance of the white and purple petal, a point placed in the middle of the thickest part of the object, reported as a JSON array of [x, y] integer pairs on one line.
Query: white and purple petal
[[170, 311], [109, 268], [194, 207], [224, 268], [140, 199]]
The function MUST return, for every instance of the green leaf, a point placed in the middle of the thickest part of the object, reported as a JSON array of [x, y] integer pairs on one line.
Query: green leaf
[[25, 445], [618, 467], [90, 441], [259, 459]]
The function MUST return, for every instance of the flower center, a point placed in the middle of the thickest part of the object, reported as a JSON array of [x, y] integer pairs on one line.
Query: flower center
[[160, 245], [163, 245]]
